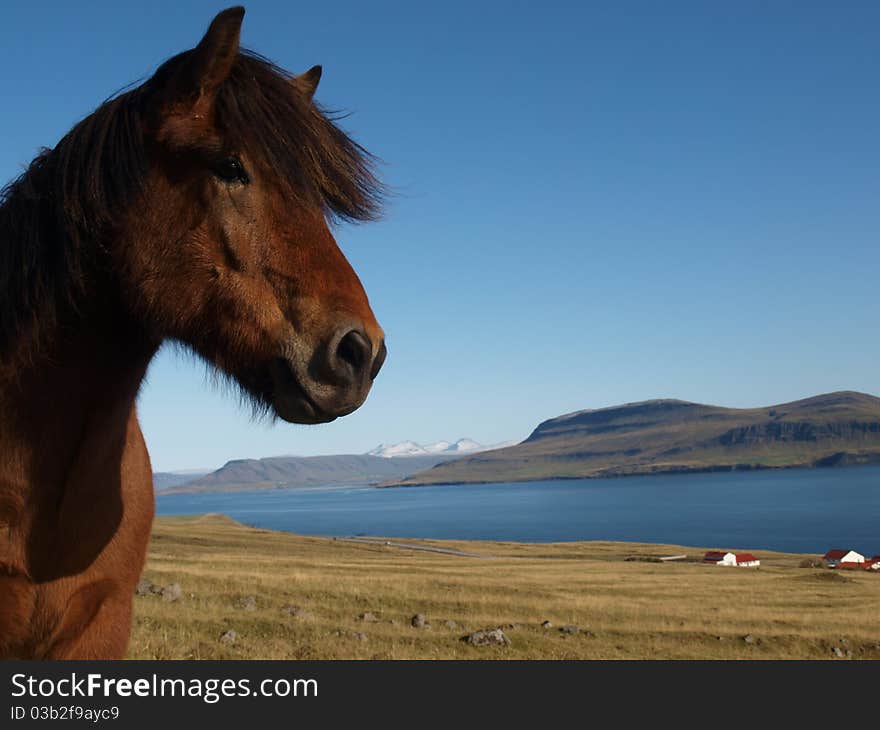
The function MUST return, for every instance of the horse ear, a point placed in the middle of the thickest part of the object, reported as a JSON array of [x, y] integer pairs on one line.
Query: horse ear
[[307, 82], [210, 62]]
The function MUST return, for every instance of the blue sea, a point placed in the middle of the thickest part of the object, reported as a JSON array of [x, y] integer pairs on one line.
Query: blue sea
[[794, 510]]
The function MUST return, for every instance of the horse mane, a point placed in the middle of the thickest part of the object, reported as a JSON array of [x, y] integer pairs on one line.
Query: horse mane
[[56, 217]]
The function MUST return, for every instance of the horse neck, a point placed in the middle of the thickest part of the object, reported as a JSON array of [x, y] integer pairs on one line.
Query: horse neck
[[81, 379]]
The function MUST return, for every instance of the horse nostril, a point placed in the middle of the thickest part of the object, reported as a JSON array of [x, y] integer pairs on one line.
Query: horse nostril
[[379, 361], [354, 349]]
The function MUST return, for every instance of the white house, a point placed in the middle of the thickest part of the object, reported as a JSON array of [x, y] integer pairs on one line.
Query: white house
[[738, 560], [843, 558], [746, 560]]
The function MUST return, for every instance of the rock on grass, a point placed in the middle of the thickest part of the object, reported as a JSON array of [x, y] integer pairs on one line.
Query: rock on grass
[[228, 637], [487, 637], [144, 587]]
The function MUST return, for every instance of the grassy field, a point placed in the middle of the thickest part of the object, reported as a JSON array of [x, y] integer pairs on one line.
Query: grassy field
[[623, 609]]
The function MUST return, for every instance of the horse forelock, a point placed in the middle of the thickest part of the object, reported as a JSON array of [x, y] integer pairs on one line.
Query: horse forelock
[[296, 141]]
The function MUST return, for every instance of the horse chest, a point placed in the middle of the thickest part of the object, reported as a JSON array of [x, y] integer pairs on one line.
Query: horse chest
[[75, 546]]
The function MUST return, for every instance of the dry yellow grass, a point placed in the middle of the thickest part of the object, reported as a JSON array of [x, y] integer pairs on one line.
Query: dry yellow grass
[[625, 610]]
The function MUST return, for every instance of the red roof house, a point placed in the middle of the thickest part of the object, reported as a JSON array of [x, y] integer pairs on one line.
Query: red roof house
[[746, 559], [844, 559], [740, 560], [834, 555]]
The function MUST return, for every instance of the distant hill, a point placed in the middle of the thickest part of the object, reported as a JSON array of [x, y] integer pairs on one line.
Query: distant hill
[[163, 480], [279, 472], [676, 436]]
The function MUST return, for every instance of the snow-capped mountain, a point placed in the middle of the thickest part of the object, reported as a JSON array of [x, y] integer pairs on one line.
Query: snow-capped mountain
[[464, 446], [445, 448], [404, 448], [438, 447]]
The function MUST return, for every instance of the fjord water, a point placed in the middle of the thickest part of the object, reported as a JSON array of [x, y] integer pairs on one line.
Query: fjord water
[[796, 510]]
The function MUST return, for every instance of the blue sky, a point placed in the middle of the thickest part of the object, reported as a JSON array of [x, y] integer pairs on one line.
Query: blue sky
[[596, 202]]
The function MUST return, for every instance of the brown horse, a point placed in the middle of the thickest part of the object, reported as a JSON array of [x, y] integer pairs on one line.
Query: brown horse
[[192, 208]]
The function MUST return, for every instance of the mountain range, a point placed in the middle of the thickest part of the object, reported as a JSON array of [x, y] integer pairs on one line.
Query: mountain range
[[650, 437], [411, 448], [385, 462], [660, 436], [286, 472]]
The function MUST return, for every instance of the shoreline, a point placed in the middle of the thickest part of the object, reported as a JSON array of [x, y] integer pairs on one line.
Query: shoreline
[[441, 544], [661, 471], [690, 509], [720, 469]]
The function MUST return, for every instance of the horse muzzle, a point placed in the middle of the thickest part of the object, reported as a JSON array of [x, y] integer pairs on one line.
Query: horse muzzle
[[333, 382]]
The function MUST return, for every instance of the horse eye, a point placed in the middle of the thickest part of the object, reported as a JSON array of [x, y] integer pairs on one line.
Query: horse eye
[[230, 170]]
